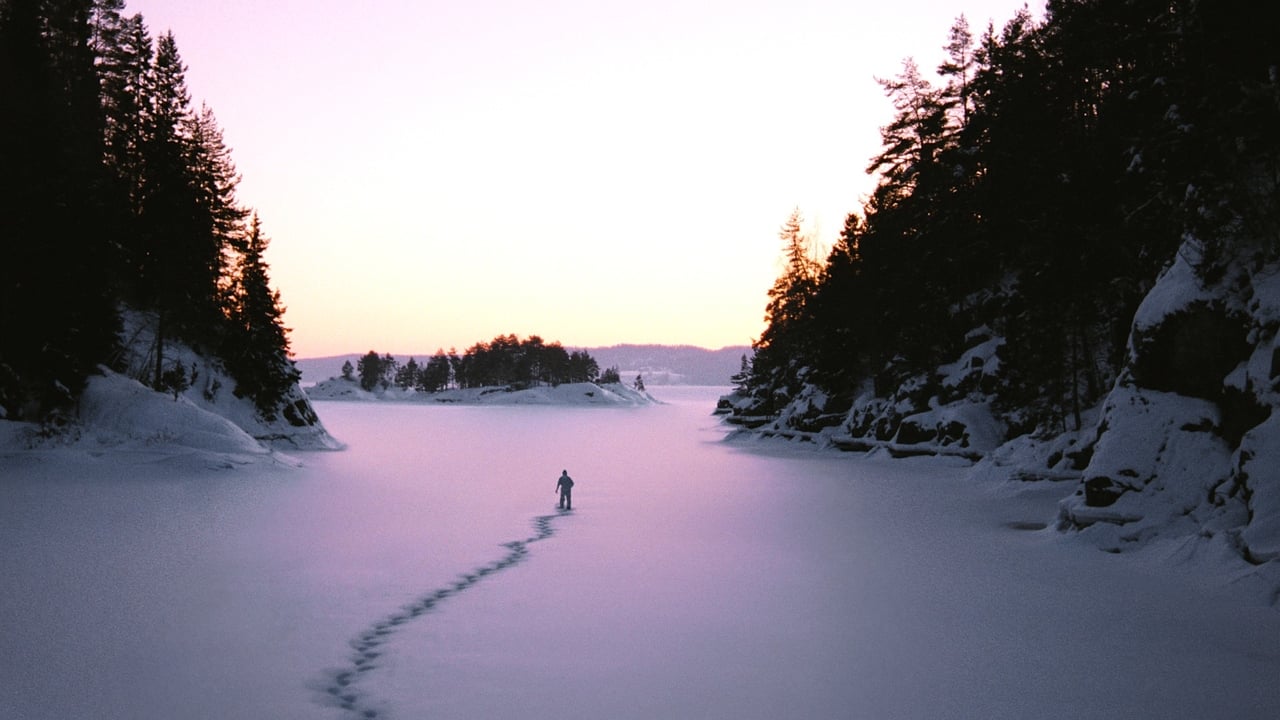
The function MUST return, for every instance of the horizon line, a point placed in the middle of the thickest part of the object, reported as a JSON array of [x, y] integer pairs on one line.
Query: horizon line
[[296, 358]]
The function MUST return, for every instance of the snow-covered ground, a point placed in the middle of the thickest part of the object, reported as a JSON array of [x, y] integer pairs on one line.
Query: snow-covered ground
[[424, 573]]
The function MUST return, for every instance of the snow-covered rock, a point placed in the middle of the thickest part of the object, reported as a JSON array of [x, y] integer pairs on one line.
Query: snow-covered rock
[[122, 418], [1188, 445], [947, 412], [116, 411], [1256, 475], [1184, 452], [978, 366], [1158, 460], [209, 387]]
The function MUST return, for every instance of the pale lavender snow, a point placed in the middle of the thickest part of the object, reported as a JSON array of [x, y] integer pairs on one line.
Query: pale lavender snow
[[694, 579]]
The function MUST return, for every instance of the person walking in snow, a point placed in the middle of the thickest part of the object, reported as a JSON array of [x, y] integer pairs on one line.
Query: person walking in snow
[[564, 486]]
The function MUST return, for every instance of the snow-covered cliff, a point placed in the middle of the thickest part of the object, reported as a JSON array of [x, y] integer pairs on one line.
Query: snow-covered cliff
[[1188, 441]]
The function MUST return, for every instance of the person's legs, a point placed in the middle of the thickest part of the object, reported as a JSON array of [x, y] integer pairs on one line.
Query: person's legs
[[568, 499]]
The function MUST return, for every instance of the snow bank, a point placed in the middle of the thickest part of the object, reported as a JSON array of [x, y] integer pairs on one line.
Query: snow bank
[[1157, 468], [1259, 472], [1175, 289], [1188, 446], [584, 394], [295, 426], [116, 411], [205, 422], [131, 424]]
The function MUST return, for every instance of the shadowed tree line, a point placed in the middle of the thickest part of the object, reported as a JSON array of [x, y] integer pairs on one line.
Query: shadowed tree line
[[116, 193], [505, 361], [1032, 191]]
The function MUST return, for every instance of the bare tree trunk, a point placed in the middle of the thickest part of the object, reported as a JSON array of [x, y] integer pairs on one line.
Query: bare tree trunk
[[159, 370], [1075, 371]]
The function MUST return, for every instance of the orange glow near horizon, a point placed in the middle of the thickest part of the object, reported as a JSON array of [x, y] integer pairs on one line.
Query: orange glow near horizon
[[433, 174]]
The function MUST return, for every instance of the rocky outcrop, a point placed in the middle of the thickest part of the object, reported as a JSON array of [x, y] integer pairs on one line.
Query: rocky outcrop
[[946, 412], [1188, 443], [1185, 448]]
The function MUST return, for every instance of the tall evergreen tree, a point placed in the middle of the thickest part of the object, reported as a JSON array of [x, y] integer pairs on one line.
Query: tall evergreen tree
[[257, 347], [435, 375], [189, 217], [958, 71], [408, 375], [125, 54], [846, 349], [916, 136], [785, 344], [57, 317], [214, 177], [168, 279], [369, 368], [112, 190]]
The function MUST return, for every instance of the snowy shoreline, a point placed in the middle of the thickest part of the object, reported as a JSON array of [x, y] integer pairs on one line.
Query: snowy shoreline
[[1180, 453], [566, 394]]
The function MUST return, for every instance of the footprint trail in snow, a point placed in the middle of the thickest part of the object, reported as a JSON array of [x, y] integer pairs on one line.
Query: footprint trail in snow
[[341, 686]]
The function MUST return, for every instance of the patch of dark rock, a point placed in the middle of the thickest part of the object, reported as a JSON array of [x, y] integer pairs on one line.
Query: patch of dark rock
[[1080, 458], [1241, 412], [953, 431], [1101, 492], [912, 433], [1191, 352], [1026, 525]]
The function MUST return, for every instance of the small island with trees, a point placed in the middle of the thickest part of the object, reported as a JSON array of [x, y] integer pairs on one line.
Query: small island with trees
[[505, 370]]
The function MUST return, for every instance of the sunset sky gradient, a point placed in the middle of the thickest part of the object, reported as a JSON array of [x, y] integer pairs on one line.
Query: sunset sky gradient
[[436, 173]]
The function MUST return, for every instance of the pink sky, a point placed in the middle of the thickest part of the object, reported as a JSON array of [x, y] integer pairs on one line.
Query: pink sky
[[433, 174]]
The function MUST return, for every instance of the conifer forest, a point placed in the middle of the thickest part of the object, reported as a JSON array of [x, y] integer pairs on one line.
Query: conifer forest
[[118, 196], [1032, 193]]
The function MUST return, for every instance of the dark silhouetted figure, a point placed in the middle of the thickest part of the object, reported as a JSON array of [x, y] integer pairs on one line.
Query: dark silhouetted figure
[[564, 486]]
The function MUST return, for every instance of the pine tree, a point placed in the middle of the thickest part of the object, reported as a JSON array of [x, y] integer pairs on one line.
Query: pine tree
[[214, 179], [785, 345], [582, 367], [369, 367], [408, 375], [958, 70], [790, 294], [913, 141], [57, 313], [741, 380], [390, 366], [112, 190], [125, 54], [845, 350], [435, 373], [257, 344], [169, 278], [555, 364]]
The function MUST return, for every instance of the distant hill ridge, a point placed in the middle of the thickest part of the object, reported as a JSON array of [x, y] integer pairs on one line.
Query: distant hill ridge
[[657, 364]]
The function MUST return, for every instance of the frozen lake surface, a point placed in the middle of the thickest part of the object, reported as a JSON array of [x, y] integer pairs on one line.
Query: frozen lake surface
[[425, 573]]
